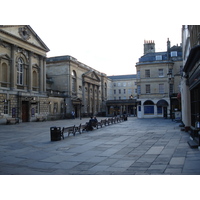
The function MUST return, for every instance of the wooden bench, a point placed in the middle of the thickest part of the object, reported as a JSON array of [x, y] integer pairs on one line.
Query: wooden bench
[[69, 130], [12, 121]]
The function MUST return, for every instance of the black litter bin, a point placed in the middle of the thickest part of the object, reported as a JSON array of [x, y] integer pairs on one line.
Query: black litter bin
[[55, 133]]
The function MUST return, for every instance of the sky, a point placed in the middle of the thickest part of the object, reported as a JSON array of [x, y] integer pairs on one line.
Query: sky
[[107, 35]]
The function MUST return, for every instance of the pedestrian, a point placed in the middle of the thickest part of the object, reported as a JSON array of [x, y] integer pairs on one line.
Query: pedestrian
[[73, 114]]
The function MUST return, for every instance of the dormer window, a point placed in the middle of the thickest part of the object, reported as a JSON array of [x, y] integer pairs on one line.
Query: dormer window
[[173, 53], [159, 57]]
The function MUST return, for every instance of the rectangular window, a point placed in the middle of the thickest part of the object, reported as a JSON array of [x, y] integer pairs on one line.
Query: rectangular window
[[149, 110], [147, 73], [138, 89], [129, 91], [114, 91], [119, 91], [173, 53], [124, 91], [159, 57], [6, 107], [159, 110], [161, 88], [124, 84], [114, 84], [160, 72], [119, 84], [148, 89]]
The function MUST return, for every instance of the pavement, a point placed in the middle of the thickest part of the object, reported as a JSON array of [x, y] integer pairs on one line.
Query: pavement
[[133, 147]]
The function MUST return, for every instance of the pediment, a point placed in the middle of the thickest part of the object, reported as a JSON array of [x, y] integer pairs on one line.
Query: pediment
[[4, 56], [23, 33], [92, 75]]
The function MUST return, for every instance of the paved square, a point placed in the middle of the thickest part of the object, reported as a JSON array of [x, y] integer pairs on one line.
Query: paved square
[[133, 147]]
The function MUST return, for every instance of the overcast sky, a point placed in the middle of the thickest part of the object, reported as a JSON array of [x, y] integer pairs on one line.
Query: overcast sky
[[107, 35]]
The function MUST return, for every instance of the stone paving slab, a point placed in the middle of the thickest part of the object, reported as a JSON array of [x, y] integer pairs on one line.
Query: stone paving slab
[[133, 147]]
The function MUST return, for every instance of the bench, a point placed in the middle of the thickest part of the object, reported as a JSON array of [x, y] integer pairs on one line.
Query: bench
[[69, 130], [12, 121]]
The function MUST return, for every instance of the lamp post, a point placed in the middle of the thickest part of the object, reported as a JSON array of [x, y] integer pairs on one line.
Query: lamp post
[[169, 75]]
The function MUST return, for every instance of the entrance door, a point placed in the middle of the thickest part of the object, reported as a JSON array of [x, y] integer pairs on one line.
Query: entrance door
[[25, 111]]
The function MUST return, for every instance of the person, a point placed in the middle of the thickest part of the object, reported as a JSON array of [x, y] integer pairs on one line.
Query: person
[[73, 114], [95, 119]]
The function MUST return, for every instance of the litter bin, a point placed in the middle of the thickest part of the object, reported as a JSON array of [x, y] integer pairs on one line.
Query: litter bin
[[55, 133]]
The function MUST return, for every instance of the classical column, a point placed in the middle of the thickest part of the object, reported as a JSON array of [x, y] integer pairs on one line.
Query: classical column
[[41, 74], [30, 81], [93, 96], [13, 68], [88, 110], [44, 74]]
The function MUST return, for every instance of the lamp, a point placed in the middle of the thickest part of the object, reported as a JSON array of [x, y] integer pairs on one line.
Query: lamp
[[169, 75]]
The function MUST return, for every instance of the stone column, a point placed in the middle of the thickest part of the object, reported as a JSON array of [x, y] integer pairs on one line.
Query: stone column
[[41, 75], [88, 110], [30, 81], [13, 68], [97, 99], [44, 74]]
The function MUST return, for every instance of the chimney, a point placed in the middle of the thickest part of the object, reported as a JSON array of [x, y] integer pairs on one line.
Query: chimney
[[149, 46]]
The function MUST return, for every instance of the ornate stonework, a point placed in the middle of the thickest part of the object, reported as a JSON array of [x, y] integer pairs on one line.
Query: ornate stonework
[[24, 33]]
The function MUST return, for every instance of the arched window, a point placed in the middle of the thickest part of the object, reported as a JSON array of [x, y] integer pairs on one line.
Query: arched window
[[20, 71], [74, 81]]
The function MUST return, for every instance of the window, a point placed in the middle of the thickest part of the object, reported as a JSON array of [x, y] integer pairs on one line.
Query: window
[[124, 91], [119, 91], [6, 107], [159, 110], [138, 89], [20, 71], [161, 88], [129, 91], [148, 89], [114, 84], [147, 73], [119, 84], [114, 91], [73, 81], [124, 84], [173, 53], [159, 57], [160, 72]]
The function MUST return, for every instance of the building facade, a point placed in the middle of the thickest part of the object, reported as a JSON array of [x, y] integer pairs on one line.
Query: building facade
[[158, 82], [22, 73], [82, 88], [122, 95], [190, 83]]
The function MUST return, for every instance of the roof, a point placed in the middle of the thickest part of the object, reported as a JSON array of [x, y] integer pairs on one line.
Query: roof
[[127, 76]]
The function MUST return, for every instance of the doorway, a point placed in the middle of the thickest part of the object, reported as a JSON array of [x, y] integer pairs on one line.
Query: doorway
[[25, 111]]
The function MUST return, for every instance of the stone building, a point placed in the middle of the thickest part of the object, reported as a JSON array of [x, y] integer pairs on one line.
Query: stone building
[[22, 73], [190, 83], [158, 80], [122, 95], [81, 88]]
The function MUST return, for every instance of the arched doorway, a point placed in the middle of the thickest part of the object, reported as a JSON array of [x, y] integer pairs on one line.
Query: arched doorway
[[162, 108]]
